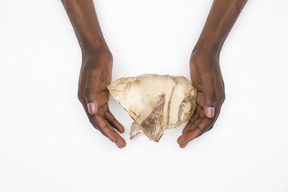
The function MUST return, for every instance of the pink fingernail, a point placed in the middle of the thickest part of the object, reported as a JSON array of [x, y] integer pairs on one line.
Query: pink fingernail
[[91, 108], [210, 112], [120, 146], [183, 142]]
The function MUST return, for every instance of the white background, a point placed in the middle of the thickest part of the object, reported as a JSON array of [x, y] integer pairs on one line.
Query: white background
[[47, 143]]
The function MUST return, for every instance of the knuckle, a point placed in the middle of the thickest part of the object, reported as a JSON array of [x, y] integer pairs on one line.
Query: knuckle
[[212, 96], [89, 94]]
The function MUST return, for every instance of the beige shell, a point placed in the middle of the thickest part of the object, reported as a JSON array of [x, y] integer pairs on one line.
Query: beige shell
[[155, 102]]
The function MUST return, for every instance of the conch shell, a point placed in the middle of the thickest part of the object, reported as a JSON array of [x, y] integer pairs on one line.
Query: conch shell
[[155, 102]]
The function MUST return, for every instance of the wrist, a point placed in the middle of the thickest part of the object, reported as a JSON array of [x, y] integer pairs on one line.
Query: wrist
[[100, 52], [208, 45], [93, 45]]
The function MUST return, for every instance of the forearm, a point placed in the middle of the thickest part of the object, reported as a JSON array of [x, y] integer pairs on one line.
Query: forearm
[[221, 19], [84, 20]]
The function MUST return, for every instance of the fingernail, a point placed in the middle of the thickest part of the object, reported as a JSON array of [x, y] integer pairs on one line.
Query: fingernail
[[183, 142], [120, 146], [91, 108], [210, 112]]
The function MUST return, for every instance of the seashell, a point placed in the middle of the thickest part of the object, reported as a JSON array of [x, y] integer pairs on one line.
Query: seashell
[[155, 102]]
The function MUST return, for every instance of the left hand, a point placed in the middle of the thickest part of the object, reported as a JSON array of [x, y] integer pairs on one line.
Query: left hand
[[207, 79]]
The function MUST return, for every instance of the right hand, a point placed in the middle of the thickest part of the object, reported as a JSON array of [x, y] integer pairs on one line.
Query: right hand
[[95, 76]]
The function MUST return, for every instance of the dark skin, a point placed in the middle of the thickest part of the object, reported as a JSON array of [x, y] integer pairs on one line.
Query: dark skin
[[205, 69], [205, 72]]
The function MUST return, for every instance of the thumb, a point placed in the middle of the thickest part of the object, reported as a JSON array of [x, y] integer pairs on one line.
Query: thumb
[[90, 97], [90, 93], [210, 96]]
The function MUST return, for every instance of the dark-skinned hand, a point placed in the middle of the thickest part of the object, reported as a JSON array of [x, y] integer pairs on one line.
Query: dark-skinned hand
[[95, 76], [207, 79]]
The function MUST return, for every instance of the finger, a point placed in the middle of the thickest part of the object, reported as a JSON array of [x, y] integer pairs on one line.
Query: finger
[[91, 101], [181, 139], [188, 126], [183, 145], [111, 119], [210, 95], [193, 124], [114, 136], [195, 130], [202, 126], [198, 129], [191, 131], [106, 129], [103, 126], [120, 141], [193, 118]]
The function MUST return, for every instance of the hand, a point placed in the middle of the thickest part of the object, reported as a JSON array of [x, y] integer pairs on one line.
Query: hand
[[207, 79], [95, 76]]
